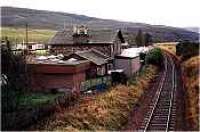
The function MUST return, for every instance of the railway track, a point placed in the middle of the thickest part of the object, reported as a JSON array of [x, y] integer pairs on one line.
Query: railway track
[[162, 108]]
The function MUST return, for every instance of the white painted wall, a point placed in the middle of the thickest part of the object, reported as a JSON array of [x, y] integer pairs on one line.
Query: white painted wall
[[129, 65]]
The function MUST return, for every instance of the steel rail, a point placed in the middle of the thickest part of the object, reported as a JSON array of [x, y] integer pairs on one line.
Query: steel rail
[[171, 94], [158, 93]]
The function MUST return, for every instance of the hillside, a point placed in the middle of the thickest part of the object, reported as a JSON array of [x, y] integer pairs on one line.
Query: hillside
[[193, 29], [17, 17]]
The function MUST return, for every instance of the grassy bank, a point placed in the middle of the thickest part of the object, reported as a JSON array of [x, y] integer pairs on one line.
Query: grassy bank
[[107, 111], [19, 34], [192, 76]]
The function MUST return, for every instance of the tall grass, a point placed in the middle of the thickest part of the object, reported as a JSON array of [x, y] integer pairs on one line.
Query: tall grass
[[107, 111], [192, 76]]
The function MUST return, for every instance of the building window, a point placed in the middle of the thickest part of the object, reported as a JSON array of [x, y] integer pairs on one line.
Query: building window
[[110, 66]]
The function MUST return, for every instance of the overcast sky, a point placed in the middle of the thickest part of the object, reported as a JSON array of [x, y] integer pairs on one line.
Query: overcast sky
[[178, 13]]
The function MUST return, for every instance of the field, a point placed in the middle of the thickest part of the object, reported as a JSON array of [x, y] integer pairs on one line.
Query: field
[[192, 76], [168, 46], [34, 35]]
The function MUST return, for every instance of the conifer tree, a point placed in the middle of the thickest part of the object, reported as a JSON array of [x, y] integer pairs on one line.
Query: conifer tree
[[139, 38], [147, 39]]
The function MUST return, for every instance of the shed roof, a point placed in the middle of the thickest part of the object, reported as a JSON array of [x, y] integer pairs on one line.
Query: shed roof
[[95, 36], [134, 52], [94, 56], [54, 61]]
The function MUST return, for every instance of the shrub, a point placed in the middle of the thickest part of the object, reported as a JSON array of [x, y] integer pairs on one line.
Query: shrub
[[154, 57], [187, 49]]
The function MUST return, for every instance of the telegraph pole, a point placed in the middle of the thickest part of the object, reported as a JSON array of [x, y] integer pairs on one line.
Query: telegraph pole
[[26, 44], [26, 34], [24, 54]]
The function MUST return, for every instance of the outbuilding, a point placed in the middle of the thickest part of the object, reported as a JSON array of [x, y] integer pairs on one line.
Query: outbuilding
[[52, 74], [99, 63], [129, 61]]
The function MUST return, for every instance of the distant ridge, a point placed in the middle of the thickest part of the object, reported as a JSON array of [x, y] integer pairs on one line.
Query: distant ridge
[[17, 17], [193, 29]]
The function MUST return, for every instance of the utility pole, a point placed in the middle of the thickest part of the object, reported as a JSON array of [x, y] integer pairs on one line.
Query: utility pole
[[26, 34], [26, 44], [64, 25]]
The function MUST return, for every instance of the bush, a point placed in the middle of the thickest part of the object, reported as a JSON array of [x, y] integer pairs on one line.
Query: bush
[[154, 57], [187, 49]]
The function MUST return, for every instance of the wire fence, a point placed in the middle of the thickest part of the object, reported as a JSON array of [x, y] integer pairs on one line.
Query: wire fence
[[98, 83]]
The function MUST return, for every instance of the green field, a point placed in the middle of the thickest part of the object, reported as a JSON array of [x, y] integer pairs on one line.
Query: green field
[[34, 35]]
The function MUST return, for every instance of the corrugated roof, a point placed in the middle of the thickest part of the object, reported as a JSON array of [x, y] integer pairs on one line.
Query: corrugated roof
[[95, 36], [56, 62], [93, 56], [134, 52]]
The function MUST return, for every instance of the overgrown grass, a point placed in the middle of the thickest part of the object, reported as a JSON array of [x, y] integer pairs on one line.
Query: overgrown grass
[[107, 111], [192, 76], [19, 34]]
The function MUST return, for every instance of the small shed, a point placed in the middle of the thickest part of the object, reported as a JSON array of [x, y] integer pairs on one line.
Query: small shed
[[129, 61], [53, 74]]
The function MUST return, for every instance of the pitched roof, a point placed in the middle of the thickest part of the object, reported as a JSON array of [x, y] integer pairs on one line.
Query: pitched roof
[[62, 37], [95, 36], [94, 56], [134, 52]]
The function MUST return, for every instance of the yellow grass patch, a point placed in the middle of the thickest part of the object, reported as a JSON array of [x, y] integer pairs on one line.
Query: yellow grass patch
[[168, 46]]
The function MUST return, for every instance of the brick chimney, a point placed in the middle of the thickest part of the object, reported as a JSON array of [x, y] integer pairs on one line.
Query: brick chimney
[[80, 34]]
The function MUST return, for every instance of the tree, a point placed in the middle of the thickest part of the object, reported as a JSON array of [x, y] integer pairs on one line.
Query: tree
[[139, 38], [154, 57], [14, 75], [147, 39]]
